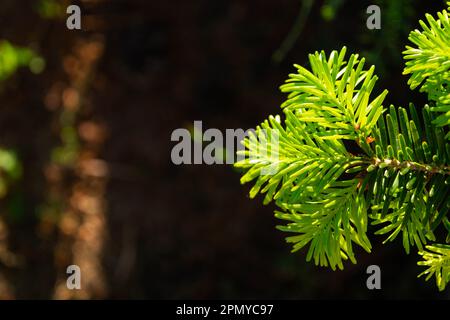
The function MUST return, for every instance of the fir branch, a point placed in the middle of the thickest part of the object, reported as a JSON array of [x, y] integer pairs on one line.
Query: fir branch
[[335, 95], [429, 63], [401, 176], [437, 259]]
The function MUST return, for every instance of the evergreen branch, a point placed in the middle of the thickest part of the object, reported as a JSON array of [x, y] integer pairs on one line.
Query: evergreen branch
[[429, 63], [335, 95], [437, 259], [302, 162], [401, 176], [330, 222], [409, 177]]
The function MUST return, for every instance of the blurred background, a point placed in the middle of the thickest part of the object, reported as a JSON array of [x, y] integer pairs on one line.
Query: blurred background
[[85, 123]]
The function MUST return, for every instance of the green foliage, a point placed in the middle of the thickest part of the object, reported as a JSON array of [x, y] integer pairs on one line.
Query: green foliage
[[330, 221], [13, 57], [437, 259], [10, 169], [336, 95], [429, 63], [301, 156], [399, 176], [409, 178]]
